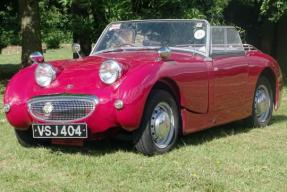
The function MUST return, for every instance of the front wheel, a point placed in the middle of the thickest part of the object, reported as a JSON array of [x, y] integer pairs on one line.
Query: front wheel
[[262, 103], [160, 124]]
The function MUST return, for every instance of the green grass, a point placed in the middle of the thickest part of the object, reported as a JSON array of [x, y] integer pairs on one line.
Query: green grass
[[233, 157], [51, 54]]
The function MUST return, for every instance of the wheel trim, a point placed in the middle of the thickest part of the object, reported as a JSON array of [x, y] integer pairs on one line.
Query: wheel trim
[[262, 103], [162, 125]]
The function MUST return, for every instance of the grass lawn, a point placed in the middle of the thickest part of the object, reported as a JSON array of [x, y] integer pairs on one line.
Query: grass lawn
[[233, 157]]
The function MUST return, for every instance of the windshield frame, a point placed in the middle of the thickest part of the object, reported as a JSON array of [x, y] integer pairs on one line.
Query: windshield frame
[[208, 38]]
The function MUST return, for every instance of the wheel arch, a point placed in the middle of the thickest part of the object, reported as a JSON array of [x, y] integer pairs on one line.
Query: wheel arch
[[170, 86], [270, 75]]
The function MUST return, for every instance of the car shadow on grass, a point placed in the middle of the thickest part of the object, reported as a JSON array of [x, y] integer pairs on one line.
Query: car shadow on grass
[[95, 148], [6, 72], [222, 131], [108, 146]]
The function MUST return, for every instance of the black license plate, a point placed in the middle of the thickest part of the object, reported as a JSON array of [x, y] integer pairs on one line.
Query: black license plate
[[60, 131]]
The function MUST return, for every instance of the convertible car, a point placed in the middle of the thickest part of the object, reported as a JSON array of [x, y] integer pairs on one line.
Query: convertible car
[[149, 81]]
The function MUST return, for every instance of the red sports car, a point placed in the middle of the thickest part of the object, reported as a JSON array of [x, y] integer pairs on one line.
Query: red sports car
[[147, 80]]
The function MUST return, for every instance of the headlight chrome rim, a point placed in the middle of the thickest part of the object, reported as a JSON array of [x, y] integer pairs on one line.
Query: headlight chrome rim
[[110, 71], [45, 74]]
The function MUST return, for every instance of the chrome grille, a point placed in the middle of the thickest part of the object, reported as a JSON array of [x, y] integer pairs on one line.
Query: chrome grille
[[59, 108]]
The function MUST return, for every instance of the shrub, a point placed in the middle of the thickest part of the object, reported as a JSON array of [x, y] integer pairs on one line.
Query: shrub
[[53, 39], [55, 25]]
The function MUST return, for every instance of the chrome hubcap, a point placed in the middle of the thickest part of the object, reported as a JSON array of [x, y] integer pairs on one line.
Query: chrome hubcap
[[162, 125], [262, 103]]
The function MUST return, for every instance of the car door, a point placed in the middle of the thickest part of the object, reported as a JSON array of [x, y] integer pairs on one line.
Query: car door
[[230, 75], [191, 74]]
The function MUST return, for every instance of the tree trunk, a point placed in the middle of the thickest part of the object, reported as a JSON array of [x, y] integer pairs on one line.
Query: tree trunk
[[30, 29], [81, 31], [88, 21]]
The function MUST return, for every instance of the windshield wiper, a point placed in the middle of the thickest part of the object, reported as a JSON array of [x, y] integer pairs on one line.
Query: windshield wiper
[[127, 49], [111, 50], [184, 45], [193, 50]]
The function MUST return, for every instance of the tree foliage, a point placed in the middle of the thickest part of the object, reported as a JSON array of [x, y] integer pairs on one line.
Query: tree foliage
[[274, 9], [83, 20], [55, 23], [9, 24]]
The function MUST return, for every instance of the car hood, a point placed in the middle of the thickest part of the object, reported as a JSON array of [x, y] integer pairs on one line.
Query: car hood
[[128, 58], [82, 75]]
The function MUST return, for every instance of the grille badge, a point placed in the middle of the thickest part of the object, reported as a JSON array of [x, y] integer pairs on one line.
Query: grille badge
[[48, 108], [69, 86]]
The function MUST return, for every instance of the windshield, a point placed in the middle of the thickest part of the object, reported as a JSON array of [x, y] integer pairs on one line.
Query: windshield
[[189, 35]]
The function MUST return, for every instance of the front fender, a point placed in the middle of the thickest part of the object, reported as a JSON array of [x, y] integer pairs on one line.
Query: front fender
[[276, 70], [279, 84], [21, 81], [134, 91]]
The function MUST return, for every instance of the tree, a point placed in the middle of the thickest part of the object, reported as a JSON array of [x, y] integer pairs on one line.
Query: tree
[[55, 23], [88, 21], [9, 28], [30, 29], [274, 9]]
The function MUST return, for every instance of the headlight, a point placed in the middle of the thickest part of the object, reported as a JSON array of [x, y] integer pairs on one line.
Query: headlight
[[44, 74], [110, 71]]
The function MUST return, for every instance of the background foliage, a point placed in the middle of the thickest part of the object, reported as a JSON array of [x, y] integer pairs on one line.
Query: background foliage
[[82, 21], [55, 23], [61, 18], [9, 23]]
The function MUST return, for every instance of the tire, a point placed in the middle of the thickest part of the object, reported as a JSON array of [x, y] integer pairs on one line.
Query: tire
[[262, 114], [25, 139], [158, 131]]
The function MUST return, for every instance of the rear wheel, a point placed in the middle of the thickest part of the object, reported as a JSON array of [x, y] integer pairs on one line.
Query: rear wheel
[[160, 124], [262, 103], [25, 138]]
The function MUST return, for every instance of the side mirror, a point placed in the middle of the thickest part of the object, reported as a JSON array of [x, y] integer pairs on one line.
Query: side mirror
[[76, 49], [164, 53], [37, 57]]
